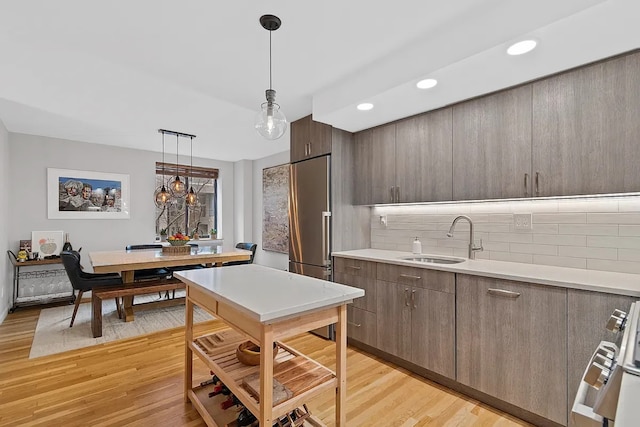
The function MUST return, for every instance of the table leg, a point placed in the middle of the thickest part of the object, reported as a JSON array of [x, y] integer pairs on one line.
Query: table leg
[[188, 354], [127, 302], [341, 366], [266, 375]]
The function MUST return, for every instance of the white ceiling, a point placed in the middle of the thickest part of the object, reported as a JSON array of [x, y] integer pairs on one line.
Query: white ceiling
[[114, 72]]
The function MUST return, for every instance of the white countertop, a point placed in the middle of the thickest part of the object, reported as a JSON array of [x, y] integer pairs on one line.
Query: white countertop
[[266, 294], [592, 280]]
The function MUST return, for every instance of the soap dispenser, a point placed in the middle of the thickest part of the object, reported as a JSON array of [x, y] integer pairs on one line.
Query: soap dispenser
[[417, 247]]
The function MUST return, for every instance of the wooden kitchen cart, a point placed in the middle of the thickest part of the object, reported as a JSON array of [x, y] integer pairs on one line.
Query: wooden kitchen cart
[[264, 305]]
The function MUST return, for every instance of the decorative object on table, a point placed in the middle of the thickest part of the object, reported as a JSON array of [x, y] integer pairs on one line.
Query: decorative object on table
[[74, 194], [25, 245], [67, 244], [22, 256], [34, 255], [214, 233], [48, 243], [163, 235], [270, 122], [275, 217], [248, 353], [178, 239]]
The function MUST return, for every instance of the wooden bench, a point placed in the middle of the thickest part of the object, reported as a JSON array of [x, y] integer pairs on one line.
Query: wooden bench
[[138, 288]]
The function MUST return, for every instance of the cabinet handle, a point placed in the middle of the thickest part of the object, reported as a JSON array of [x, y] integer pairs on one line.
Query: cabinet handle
[[354, 267], [503, 293], [537, 184], [406, 300], [392, 194], [526, 185], [413, 299], [309, 144], [357, 325], [409, 276]]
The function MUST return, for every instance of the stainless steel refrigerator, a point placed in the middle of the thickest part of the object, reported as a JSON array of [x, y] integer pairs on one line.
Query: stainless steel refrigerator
[[310, 222]]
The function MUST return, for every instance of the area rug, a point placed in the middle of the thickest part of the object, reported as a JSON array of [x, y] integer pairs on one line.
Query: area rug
[[53, 334]]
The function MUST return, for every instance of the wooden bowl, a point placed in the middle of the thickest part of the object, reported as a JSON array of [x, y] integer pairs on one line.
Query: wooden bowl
[[248, 353]]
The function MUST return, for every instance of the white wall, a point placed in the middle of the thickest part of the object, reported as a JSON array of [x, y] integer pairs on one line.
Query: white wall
[[594, 234], [243, 200], [30, 156], [5, 266], [268, 258]]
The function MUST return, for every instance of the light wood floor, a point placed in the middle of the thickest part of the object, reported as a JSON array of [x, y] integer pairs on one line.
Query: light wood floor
[[138, 382]]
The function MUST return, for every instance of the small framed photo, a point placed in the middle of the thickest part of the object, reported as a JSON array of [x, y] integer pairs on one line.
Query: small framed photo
[[47, 243], [25, 245], [74, 194]]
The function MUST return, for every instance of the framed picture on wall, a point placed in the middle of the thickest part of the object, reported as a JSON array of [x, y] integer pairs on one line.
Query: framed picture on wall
[[275, 205], [75, 194]]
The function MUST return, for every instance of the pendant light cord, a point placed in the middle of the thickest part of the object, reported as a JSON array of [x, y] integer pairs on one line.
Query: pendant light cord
[[270, 83], [163, 175]]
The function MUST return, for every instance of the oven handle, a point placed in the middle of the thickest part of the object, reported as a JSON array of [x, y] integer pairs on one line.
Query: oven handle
[[581, 414]]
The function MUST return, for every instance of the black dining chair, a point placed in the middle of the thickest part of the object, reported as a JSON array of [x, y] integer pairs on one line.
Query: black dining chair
[[150, 273], [248, 247], [83, 282]]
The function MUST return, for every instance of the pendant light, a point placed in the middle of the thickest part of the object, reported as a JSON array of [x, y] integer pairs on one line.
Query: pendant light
[[270, 121], [176, 185], [191, 198], [162, 196]]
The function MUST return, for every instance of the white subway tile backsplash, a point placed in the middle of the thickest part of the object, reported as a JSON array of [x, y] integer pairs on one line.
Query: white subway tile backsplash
[[559, 261], [589, 205], [560, 218], [533, 249], [512, 257], [588, 229], [629, 255], [614, 242], [511, 237], [631, 204], [560, 239], [588, 253], [599, 233], [629, 230], [613, 218]]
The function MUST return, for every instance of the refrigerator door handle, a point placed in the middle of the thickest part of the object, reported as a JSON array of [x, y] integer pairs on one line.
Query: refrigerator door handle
[[326, 233]]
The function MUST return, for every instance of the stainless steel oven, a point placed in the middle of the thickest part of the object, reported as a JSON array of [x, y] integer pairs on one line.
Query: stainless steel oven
[[609, 393]]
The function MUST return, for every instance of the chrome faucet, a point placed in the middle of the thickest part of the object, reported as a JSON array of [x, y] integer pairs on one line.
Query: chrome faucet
[[472, 247]]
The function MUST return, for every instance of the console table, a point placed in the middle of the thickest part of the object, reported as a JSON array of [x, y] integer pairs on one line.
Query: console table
[[17, 265]]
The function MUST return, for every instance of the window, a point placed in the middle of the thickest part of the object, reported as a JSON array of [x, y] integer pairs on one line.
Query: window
[[175, 216]]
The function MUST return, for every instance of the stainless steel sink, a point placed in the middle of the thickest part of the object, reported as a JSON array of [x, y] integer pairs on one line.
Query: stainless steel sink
[[433, 259]]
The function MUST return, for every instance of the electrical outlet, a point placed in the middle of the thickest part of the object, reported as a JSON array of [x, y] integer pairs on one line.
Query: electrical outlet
[[522, 221], [383, 220]]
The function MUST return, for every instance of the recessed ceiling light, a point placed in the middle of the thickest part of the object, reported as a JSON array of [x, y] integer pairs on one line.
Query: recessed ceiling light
[[426, 83], [522, 47], [365, 106]]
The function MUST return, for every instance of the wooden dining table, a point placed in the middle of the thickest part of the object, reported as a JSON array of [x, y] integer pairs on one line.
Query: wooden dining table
[[127, 262]]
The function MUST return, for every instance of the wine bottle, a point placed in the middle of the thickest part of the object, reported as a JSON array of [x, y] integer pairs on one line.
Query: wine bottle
[[67, 245]]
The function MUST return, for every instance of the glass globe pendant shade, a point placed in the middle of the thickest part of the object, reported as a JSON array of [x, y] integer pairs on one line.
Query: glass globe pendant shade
[[177, 187], [191, 199], [270, 121], [162, 196]]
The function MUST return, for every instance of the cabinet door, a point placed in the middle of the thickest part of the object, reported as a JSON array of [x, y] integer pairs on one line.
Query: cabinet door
[[359, 274], [394, 318], [424, 159], [492, 146], [300, 131], [309, 139], [514, 347], [588, 313], [361, 325], [374, 165], [586, 129], [433, 331]]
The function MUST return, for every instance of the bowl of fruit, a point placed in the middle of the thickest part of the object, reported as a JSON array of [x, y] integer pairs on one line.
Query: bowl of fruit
[[178, 239]]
